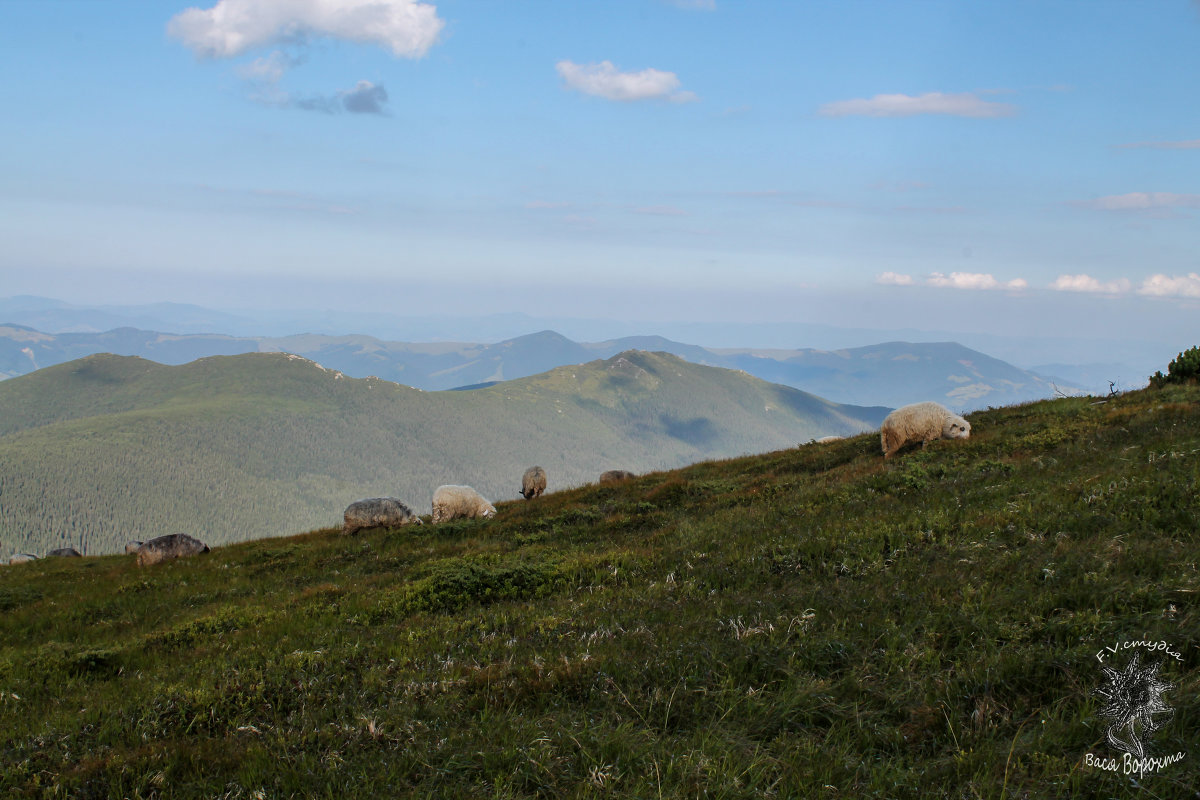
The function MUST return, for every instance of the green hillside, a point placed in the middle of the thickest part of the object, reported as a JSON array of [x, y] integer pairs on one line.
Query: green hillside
[[812, 622], [106, 449]]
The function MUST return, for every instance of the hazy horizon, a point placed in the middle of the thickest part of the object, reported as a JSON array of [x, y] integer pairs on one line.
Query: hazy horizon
[[1126, 361]]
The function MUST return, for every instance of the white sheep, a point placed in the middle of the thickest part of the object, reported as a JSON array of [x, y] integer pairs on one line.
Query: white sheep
[[920, 422], [533, 483], [451, 502]]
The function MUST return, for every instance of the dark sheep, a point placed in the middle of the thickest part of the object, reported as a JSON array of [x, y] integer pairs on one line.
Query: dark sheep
[[377, 512], [64, 552], [616, 476], [164, 548]]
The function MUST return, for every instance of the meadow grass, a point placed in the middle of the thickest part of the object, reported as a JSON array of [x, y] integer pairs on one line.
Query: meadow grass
[[815, 622]]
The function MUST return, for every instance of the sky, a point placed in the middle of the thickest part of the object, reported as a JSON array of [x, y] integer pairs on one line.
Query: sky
[[1009, 167]]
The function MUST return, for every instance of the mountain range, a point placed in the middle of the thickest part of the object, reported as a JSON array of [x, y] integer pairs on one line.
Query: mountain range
[[105, 449], [889, 374]]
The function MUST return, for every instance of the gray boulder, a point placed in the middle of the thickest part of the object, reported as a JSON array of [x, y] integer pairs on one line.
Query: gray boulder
[[164, 548], [377, 512], [616, 476], [21, 558]]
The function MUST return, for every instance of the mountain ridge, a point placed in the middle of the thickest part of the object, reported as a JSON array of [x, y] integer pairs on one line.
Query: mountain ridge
[[109, 448], [859, 375]]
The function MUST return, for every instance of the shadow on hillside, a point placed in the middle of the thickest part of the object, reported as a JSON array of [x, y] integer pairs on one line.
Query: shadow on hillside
[[697, 431]]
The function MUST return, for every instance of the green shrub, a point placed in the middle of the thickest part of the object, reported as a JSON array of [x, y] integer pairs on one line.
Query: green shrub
[[1184, 369]]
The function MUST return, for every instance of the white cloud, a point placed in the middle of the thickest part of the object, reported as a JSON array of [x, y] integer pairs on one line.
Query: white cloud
[[695, 5], [894, 279], [605, 80], [1167, 286], [1190, 144], [973, 280], [1086, 283], [406, 27], [962, 104], [1144, 201]]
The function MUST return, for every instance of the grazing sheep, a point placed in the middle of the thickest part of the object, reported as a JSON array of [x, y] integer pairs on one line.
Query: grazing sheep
[[920, 422], [21, 558], [533, 483], [377, 512], [173, 545], [132, 546], [451, 502], [616, 476], [64, 552]]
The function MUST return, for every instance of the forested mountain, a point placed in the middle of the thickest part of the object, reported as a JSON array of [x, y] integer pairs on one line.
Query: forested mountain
[[109, 448], [892, 373]]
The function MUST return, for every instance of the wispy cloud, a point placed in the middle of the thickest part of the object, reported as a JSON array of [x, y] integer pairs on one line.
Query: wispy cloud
[[540, 204], [894, 279], [1188, 144], [1170, 286], [268, 69], [973, 280], [1143, 201], [278, 200], [407, 28], [661, 211], [694, 5], [937, 210], [757, 193], [1158, 285], [365, 98], [963, 104], [1086, 283], [605, 80], [898, 186]]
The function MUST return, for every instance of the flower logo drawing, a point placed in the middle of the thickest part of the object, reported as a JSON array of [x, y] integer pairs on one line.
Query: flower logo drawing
[[1134, 704]]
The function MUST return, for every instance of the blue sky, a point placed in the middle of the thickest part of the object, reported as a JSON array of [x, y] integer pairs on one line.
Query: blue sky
[[1009, 167]]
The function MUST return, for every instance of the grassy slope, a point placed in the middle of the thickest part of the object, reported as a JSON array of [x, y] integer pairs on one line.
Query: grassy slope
[[809, 622], [106, 449]]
